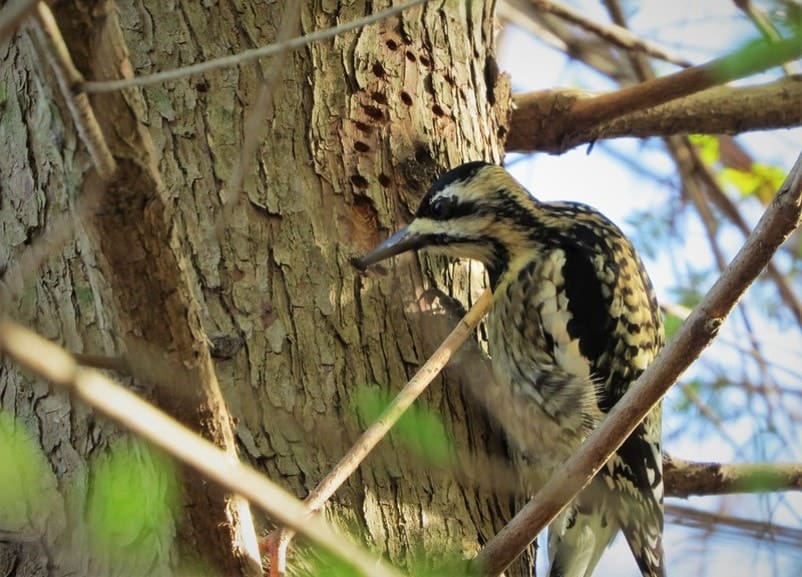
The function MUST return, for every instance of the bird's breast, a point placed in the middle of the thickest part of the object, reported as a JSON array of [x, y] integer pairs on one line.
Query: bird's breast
[[537, 363]]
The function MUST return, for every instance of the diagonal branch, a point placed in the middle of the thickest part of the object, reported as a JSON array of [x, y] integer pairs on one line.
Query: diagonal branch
[[68, 78], [53, 363], [778, 222]]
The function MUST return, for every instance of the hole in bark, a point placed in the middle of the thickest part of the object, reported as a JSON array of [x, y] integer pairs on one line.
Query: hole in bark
[[373, 112], [379, 97], [202, 87], [384, 180], [425, 61], [392, 44], [362, 127], [406, 98], [378, 70], [361, 146], [359, 181], [437, 110], [410, 56]]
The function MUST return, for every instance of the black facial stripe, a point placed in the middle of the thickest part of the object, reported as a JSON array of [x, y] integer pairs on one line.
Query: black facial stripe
[[435, 209]]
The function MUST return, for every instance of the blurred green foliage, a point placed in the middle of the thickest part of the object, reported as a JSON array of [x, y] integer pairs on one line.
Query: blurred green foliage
[[420, 430], [134, 494], [23, 476]]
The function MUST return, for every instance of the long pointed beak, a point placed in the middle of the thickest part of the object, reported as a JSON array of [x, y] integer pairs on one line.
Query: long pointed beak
[[401, 241]]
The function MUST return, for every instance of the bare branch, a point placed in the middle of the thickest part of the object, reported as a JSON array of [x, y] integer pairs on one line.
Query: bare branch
[[54, 364], [555, 33], [718, 110], [686, 478], [248, 55], [69, 78], [615, 35], [780, 219], [574, 114]]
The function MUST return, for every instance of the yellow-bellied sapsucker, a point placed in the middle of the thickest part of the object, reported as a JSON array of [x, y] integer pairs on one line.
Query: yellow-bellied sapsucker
[[574, 322]]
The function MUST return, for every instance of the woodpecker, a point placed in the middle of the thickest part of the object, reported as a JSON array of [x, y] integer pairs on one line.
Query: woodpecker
[[574, 322]]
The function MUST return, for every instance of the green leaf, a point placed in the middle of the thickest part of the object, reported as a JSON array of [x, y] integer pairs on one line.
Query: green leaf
[[132, 503], [762, 181], [420, 430]]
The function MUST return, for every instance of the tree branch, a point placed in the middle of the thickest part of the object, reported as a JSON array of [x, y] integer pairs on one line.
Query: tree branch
[[56, 365], [748, 528], [718, 110], [615, 35], [78, 103], [576, 115], [780, 219], [686, 478]]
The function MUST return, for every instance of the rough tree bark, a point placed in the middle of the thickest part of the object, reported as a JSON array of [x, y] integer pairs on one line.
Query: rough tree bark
[[359, 127]]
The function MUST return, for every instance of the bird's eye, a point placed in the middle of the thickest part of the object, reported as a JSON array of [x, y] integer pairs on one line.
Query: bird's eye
[[442, 208]]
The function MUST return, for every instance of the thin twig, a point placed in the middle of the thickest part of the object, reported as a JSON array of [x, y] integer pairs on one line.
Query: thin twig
[[615, 35], [103, 362], [28, 264], [382, 425], [778, 222], [54, 364], [746, 528], [68, 80], [256, 117], [248, 55], [13, 15]]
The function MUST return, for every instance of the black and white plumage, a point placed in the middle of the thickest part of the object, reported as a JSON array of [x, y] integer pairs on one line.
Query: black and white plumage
[[574, 322]]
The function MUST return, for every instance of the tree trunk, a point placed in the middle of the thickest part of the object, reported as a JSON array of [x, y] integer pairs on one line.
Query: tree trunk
[[265, 303]]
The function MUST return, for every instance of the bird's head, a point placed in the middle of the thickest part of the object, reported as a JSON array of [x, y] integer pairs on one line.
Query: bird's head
[[475, 211]]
